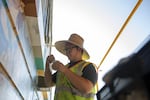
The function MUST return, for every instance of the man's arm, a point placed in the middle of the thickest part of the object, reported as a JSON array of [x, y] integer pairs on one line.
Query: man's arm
[[48, 73], [82, 84]]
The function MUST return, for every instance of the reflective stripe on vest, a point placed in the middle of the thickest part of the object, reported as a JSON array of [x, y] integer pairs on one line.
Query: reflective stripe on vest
[[74, 92]]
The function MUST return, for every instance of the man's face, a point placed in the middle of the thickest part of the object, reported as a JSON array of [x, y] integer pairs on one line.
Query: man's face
[[71, 51]]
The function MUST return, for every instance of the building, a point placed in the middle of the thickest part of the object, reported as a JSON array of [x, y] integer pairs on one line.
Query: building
[[25, 36]]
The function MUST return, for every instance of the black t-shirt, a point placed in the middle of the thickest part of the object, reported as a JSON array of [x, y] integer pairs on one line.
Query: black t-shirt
[[89, 72]]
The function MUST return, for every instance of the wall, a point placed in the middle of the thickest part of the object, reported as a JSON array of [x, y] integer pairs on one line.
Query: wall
[[17, 67]]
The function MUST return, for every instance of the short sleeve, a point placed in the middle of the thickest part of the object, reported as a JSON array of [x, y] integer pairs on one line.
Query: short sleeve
[[90, 73]]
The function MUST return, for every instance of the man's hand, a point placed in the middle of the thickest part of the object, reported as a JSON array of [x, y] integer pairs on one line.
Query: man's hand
[[50, 59], [57, 65], [48, 73]]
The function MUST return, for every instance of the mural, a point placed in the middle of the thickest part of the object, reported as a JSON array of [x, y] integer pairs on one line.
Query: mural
[[15, 54]]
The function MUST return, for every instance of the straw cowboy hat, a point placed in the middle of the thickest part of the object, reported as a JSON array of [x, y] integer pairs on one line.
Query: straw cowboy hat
[[74, 39]]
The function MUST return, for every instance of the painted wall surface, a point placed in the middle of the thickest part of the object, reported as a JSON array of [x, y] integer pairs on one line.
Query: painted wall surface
[[18, 70]]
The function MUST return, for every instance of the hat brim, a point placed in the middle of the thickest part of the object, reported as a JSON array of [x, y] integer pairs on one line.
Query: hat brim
[[61, 47]]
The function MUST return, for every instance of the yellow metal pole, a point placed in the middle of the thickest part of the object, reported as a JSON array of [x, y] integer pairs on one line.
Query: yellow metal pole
[[122, 28]]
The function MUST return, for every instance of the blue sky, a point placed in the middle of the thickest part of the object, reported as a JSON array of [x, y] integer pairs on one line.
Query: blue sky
[[98, 22]]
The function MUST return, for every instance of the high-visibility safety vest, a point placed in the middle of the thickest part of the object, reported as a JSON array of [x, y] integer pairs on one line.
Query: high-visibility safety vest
[[66, 91]]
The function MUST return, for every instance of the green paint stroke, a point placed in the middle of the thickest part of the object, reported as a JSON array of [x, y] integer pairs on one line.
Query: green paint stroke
[[39, 63], [5, 3]]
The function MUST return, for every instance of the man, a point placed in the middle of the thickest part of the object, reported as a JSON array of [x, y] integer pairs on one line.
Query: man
[[76, 80]]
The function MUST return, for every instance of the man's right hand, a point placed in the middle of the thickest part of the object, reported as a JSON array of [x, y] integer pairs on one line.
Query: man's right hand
[[50, 59], [48, 73]]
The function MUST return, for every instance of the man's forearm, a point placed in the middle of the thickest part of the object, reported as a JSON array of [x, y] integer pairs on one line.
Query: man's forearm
[[48, 75], [79, 82]]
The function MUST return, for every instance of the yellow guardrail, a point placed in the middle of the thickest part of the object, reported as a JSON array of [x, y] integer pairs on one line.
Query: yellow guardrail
[[119, 33]]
